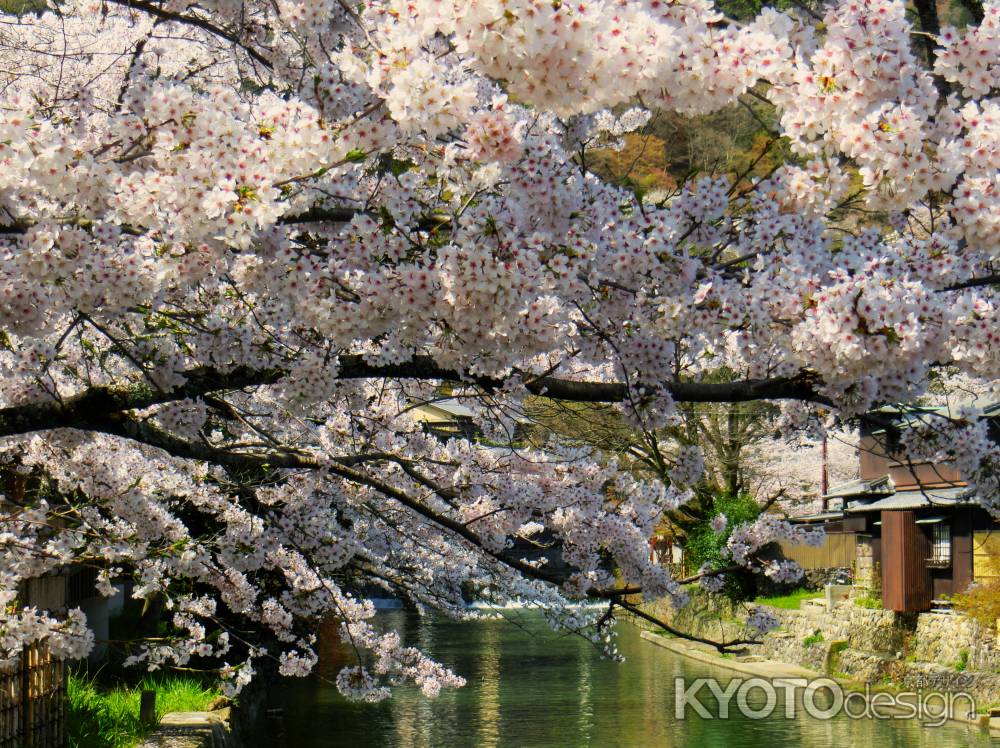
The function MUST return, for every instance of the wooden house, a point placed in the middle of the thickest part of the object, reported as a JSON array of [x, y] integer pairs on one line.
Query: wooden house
[[919, 533], [447, 418]]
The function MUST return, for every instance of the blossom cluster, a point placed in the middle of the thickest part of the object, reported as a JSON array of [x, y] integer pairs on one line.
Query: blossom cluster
[[244, 245]]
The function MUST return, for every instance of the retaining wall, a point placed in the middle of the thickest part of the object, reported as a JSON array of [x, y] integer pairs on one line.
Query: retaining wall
[[929, 651]]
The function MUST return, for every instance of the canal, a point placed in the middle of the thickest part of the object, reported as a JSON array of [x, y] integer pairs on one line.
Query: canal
[[528, 687]]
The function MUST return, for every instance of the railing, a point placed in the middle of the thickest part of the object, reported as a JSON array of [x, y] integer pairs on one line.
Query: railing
[[33, 701]]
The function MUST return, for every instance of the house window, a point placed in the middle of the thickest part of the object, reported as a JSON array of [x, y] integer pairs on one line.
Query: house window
[[941, 544]]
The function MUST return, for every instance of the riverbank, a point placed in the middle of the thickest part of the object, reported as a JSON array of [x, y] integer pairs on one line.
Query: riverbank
[[104, 712], [855, 646], [757, 667]]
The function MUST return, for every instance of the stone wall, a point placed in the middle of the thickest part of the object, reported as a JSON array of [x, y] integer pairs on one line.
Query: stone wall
[[930, 651], [876, 632], [706, 616], [947, 639], [865, 573]]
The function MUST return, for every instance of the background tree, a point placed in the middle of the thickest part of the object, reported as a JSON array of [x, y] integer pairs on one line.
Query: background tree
[[718, 436]]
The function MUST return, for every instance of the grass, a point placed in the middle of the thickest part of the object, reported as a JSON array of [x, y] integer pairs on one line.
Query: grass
[[985, 708], [791, 601], [107, 716], [872, 603], [963, 661], [814, 638]]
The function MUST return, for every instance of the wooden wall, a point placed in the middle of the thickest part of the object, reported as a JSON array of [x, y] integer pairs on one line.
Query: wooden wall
[[961, 551], [838, 550], [906, 580], [986, 555], [33, 701], [876, 463]]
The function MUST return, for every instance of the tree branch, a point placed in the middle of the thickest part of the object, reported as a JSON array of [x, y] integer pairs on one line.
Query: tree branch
[[986, 280], [79, 410], [146, 433], [721, 646], [196, 22]]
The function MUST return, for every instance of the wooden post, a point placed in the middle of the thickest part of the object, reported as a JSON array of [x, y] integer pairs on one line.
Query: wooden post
[[825, 479], [147, 708], [26, 701]]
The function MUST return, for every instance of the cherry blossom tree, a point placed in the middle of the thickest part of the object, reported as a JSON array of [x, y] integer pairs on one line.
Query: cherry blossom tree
[[240, 240]]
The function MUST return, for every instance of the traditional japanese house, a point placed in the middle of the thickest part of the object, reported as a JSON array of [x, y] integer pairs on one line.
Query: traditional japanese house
[[920, 534]]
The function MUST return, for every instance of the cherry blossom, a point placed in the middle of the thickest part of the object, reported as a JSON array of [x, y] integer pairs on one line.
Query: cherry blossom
[[244, 243]]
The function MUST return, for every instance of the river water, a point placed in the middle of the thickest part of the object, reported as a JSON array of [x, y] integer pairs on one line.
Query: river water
[[528, 687]]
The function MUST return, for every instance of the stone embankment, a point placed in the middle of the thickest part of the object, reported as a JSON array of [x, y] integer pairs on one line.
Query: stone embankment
[[929, 652]]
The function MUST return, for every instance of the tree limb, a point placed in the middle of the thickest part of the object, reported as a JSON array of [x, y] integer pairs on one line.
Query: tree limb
[[79, 410]]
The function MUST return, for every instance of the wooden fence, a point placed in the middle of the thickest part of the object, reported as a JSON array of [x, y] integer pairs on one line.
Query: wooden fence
[[838, 551], [33, 701]]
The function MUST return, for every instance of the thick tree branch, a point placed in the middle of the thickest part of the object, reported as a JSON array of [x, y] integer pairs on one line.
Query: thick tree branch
[[721, 646], [930, 25], [79, 410], [196, 22], [975, 8], [986, 280]]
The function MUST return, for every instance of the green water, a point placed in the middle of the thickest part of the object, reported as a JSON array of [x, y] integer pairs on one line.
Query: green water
[[530, 688]]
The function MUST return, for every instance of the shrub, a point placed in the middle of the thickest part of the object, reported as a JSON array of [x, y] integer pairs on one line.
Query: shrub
[[705, 546], [868, 601], [963, 660], [980, 603]]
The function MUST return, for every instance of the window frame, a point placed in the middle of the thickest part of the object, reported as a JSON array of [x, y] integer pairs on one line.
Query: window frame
[[940, 544]]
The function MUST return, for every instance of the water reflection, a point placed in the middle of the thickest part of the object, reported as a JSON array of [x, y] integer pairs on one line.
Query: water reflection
[[528, 687]]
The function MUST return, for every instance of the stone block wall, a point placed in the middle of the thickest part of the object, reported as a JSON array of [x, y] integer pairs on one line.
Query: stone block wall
[[872, 631], [946, 639], [930, 651], [865, 572]]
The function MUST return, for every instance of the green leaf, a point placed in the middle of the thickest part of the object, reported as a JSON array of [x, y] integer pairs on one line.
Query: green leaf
[[355, 156]]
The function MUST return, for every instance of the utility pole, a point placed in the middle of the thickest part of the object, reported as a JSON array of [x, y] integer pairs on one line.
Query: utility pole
[[825, 478]]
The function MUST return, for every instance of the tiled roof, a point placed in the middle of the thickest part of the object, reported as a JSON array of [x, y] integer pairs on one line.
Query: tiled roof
[[925, 499], [875, 487]]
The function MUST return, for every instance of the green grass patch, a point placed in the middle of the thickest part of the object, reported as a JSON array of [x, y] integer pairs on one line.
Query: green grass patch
[[791, 601], [20, 7], [814, 638], [963, 661], [987, 707], [103, 715], [872, 603]]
